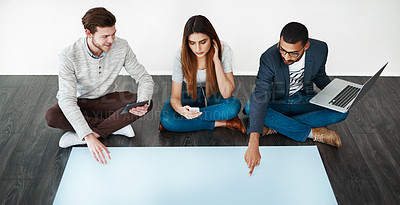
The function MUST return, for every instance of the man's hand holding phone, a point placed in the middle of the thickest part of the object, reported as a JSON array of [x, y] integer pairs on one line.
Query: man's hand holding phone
[[140, 110]]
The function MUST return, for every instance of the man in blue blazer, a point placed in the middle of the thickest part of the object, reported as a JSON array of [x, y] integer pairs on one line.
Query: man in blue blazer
[[284, 86]]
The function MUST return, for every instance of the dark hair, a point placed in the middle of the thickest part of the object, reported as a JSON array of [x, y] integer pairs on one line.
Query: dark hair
[[98, 16], [199, 24], [294, 32]]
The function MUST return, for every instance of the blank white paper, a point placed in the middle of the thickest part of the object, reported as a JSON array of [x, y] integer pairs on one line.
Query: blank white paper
[[195, 175]]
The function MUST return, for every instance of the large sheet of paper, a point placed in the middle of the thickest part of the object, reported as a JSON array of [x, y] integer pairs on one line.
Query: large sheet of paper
[[195, 175]]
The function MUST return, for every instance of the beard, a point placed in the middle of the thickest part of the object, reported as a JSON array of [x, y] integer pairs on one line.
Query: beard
[[289, 62], [98, 46]]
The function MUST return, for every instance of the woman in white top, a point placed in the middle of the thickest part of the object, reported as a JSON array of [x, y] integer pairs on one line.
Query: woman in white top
[[202, 83]]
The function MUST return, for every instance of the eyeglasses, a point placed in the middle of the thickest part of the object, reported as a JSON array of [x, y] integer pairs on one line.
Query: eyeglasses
[[293, 54]]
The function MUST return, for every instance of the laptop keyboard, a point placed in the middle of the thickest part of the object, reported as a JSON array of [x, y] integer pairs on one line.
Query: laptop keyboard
[[345, 96]]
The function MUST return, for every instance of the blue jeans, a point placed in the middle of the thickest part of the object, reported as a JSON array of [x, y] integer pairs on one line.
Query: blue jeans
[[218, 109], [294, 116]]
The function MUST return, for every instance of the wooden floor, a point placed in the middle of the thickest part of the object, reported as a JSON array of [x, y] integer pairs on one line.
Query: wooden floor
[[364, 171]]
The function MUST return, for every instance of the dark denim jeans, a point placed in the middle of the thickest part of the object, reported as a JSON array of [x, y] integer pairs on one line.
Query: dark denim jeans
[[218, 109], [294, 116]]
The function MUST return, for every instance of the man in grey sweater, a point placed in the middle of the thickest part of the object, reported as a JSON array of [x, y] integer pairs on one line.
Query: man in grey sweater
[[88, 102]]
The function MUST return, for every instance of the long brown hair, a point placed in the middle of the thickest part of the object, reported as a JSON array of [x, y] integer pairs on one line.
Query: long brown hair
[[199, 24]]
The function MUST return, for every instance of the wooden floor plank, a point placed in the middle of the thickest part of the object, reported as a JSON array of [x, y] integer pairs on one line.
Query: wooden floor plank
[[8, 143], [24, 161], [350, 177], [15, 117], [12, 191], [6, 96], [45, 184], [31, 145], [381, 118], [384, 167], [12, 81], [38, 124]]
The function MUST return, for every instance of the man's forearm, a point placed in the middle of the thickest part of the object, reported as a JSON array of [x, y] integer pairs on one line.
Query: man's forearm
[[252, 155], [254, 139], [75, 117]]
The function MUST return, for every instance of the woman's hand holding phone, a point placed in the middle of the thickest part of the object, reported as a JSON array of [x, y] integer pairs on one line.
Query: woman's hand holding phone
[[189, 114]]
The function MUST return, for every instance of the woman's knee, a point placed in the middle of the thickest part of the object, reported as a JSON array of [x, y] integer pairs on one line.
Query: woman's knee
[[247, 107], [232, 107], [168, 122], [167, 116]]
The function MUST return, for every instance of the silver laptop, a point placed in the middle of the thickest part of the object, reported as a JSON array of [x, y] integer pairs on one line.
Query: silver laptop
[[341, 95]]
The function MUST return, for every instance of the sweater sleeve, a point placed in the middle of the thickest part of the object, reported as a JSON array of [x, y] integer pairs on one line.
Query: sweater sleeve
[[67, 99], [140, 75]]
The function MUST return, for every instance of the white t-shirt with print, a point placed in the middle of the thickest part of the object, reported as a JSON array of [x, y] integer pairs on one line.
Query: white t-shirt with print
[[296, 75]]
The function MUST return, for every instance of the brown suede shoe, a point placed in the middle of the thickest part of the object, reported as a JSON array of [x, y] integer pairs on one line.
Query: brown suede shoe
[[327, 136], [268, 131], [236, 123], [161, 127]]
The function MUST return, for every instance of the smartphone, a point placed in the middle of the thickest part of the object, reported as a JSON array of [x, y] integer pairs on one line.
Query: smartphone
[[132, 105], [196, 109]]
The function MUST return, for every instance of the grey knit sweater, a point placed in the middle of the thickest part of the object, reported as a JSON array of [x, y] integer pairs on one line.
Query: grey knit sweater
[[82, 76]]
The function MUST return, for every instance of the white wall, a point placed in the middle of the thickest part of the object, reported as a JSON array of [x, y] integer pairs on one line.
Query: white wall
[[362, 35]]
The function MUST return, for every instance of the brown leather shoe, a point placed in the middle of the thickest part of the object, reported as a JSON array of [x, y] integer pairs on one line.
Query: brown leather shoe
[[236, 123], [327, 136], [161, 127], [268, 131]]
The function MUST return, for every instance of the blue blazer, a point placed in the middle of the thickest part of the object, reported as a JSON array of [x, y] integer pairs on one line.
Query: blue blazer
[[272, 81]]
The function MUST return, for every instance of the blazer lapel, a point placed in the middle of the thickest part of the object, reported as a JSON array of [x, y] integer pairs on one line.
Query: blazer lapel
[[285, 70], [309, 63]]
